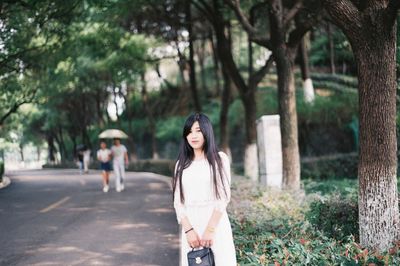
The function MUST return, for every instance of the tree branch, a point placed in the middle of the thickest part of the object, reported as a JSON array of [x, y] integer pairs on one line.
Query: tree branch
[[16, 105], [259, 75], [252, 32], [298, 33], [292, 13], [204, 9], [344, 14], [235, 6]]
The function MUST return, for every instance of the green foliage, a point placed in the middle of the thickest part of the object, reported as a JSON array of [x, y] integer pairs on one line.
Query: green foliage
[[159, 166], [335, 215], [319, 52], [285, 237], [170, 129], [340, 167], [343, 186]]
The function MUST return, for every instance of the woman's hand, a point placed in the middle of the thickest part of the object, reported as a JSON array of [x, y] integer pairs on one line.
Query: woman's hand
[[208, 239], [193, 239]]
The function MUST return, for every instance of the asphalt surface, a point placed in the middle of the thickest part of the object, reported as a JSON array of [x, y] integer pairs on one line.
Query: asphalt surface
[[58, 217]]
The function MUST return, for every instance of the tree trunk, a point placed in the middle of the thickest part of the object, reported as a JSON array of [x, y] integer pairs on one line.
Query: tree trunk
[[216, 65], [192, 69], [288, 119], [223, 118], [372, 34], [150, 118], [248, 99], [51, 148], [377, 170], [201, 55], [21, 152], [250, 157], [131, 140], [331, 49], [308, 88]]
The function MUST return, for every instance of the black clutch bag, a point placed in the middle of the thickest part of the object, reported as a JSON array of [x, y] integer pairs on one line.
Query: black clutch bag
[[201, 257]]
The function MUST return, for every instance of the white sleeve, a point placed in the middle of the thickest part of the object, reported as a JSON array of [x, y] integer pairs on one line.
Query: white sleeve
[[224, 189], [180, 208]]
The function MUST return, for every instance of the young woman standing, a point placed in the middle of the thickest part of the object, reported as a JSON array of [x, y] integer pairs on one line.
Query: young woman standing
[[201, 189]]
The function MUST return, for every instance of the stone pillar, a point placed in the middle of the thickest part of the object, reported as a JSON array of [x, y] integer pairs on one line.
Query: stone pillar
[[269, 151]]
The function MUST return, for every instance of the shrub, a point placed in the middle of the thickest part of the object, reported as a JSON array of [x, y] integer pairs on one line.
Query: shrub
[[335, 215], [159, 166], [269, 229], [328, 168]]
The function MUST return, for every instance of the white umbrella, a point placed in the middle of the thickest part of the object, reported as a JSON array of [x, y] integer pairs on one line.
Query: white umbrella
[[113, 134]]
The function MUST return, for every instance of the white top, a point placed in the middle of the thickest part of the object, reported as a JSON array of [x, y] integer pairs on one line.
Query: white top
[[104, 155], [200, 203], [198, 187], [86, 154], [118, 153]]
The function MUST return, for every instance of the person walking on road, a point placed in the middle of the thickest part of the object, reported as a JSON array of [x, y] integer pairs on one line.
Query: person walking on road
[[201, 191], [86, 160], [120, 159], [104, 156]]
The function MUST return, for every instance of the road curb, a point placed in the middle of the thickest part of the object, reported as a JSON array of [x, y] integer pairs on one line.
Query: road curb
[[6, 182]]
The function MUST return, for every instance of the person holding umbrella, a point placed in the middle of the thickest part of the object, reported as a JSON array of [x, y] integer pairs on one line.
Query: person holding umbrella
[[120, 158], [119, 154]]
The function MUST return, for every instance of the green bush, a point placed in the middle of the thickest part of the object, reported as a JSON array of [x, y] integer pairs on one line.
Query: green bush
[[335, 215], [1, 171], [269, 228], [343, 80], [329, 168], [159, 166]]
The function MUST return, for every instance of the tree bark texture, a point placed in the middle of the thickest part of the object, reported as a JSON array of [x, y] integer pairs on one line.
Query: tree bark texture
[[288, 119], [372, 34], [377, 171]]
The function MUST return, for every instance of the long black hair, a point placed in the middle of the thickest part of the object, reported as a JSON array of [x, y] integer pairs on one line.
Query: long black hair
[[186, 155]]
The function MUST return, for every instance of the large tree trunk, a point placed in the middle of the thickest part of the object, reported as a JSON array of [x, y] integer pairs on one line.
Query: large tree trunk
[[372, 34], [308, 88], [378, 201], [288, 119]]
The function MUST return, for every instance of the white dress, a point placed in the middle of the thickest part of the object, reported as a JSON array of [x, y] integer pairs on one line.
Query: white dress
[[199, 205]]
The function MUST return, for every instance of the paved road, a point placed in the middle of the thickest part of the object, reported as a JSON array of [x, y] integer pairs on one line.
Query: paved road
[[58, 217]]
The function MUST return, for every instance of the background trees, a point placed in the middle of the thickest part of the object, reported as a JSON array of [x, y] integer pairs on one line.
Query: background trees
[[69, 70]]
